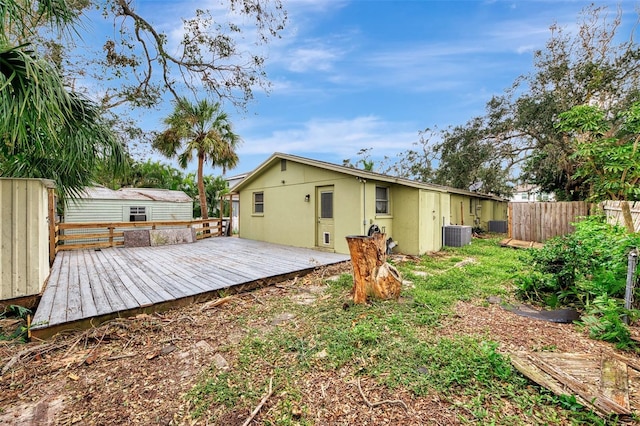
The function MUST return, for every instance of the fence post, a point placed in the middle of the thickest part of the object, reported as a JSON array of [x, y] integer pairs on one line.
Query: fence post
[[111, 228], [51, 212], [632, 264]]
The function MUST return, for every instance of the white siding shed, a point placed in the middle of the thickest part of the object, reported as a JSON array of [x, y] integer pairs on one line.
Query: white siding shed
[[99, 204]]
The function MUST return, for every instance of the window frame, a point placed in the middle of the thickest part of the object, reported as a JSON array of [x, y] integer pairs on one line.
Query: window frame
[[137, 211], [386, 200], [255, 203]]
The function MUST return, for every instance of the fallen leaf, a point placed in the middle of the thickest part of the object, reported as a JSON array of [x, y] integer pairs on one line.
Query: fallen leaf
[[93, 356]]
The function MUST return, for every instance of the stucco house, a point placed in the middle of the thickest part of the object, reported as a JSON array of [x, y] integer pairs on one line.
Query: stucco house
[[308, 203], [100, 204]]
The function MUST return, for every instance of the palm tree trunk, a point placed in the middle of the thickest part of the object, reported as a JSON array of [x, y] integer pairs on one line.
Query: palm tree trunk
[[204, 211]]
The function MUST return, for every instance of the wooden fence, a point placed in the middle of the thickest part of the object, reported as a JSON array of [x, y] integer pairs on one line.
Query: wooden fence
[[614, 213], [93, 235], [540, 221]]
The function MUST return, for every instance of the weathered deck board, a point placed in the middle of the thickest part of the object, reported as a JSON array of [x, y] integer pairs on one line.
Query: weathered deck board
[[89, 306], [98, 285]]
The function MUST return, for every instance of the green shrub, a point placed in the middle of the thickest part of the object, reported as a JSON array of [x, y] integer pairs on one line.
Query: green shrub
[[605, 321], [586, 270], [575, 268]]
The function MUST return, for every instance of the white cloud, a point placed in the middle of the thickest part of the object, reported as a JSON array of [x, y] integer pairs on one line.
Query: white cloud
[[318, 59], [344, 137]]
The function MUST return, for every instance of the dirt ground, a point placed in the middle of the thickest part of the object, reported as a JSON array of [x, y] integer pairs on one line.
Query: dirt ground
[[137, 371]]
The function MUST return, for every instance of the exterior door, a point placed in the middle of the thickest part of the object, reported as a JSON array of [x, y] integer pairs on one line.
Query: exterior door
[[324, 212]]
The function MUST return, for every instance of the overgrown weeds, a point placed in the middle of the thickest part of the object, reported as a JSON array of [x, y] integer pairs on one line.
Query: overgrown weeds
[[397, 344], [20, 331], [586, 270]]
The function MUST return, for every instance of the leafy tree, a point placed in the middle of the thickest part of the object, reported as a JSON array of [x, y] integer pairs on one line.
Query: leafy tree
[[201, 128], [215, 187], [606, 153], [518, 130], [588, 67], [140, 65], [365, 160], [221, 52], [47, 130], [154, 174]]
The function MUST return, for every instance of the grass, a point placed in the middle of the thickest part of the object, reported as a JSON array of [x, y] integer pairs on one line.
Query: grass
[[395, 343]]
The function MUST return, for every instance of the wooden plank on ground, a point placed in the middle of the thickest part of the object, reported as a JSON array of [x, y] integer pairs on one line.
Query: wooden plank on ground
[[538, 376], [586, 391], [510, 242], [614, 381]]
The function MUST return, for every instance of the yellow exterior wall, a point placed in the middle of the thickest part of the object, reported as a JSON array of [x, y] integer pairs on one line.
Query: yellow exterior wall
[[414, 221], [288, 219], [477, 212], [459, 213], [492, 210], [24, 234]]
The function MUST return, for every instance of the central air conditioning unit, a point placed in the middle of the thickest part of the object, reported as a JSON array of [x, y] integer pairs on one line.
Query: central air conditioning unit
[[499, 226], [456, 235]]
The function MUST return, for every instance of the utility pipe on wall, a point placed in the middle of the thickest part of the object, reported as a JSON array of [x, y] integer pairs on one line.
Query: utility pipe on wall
[[364, 204]]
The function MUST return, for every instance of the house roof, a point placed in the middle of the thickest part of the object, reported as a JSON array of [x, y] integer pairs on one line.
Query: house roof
[[141, 194], [235, 180], [526, 187], [359, 173]]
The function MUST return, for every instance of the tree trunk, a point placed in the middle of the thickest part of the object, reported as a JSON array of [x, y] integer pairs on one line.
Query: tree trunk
[[372, 275], [628, 219], [204, 210]]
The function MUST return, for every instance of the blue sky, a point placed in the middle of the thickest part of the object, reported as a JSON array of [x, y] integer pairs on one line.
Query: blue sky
[[360, 74]]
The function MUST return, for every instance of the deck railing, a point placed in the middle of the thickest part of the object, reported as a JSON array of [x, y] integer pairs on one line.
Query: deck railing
[[93, 235]]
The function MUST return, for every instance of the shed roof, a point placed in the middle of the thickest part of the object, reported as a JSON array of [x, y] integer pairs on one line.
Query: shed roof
[[47, 183], [362, 174], [141, 194]]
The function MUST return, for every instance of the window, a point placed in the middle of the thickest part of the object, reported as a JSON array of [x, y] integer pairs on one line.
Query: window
[[258, 202], [382, 200], [283, 164], [137, 214], [326, 205]]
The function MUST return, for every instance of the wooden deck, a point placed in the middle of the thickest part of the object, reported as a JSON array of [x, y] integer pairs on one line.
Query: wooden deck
[[87, 287]]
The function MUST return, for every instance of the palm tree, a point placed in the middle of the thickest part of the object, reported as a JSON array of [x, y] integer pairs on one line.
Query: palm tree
[[202, 129], [47, 130]]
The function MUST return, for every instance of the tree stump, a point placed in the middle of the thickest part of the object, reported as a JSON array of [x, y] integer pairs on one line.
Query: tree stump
[[372, 275]]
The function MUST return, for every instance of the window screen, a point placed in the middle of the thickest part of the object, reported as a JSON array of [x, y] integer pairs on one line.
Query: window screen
[[326, 205], [382, 200]]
